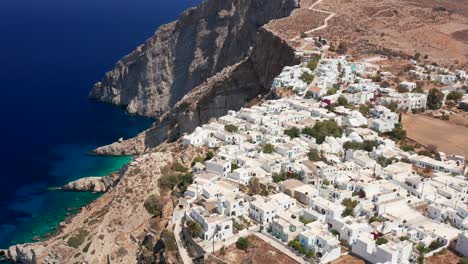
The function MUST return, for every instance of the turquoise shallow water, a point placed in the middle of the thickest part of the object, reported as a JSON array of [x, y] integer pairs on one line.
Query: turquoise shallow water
[[46, 208]]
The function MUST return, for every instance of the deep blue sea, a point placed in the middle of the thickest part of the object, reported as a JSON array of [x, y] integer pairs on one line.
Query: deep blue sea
[[51, 53]]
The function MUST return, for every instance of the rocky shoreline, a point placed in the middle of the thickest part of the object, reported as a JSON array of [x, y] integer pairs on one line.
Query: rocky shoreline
[[92, 184]]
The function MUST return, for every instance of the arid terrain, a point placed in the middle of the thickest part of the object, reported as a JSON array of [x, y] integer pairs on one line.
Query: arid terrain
[[449, 138], [447, 257], [434, 28], [348, 259], [259, 252]]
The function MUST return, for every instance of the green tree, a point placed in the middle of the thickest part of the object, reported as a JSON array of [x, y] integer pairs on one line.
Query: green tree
[[381, 241], [194, 228], [312, 64], [293, 132], [434, 99], [313, 155], [323, 129], [231, 128], [307, 77], [398, 133], [342, 101], [268, 148], [209, 155], [242, 243], [153, 205]]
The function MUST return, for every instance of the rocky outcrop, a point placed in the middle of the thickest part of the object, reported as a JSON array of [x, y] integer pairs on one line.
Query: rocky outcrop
[[230, 89], [112, 228], [92, 184], [183, 54]]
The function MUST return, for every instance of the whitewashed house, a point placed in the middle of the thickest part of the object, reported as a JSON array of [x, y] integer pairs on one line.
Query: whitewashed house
[[391, 252], [215, 226]]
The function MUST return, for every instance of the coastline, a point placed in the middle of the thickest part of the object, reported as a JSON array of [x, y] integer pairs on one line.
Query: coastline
[[58, 205]]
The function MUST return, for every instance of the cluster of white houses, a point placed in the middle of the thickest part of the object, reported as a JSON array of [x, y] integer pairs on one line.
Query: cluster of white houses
[[337, 77], [371, 200]]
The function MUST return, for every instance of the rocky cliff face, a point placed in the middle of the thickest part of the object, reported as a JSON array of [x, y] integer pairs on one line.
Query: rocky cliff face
[[183, 54], [230, 89]]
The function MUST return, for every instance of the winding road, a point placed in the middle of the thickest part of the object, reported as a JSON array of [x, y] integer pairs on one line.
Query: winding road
[[325, 22]]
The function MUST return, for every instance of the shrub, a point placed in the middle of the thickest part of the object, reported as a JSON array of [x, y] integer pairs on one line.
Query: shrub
[[313, 155], [209, 155], [268, 148], [234, 166], [169, 239], [231, 128], [403, 238], [312, 64], [304, 221], [293, 132], [350, 205], [407, 148], [277, 177], [332, 91], [463, 261], [435, 245], [194, 228], [307, 77], [392, 105], [196, 160], [434, 99], [242, 243], [398, 133], [426, 153], [179, 167], [153, 205], [376, 219], [381, 241], [455, 96], [342, 101]]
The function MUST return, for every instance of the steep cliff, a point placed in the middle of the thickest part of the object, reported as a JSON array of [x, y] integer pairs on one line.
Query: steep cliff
[[183, 54], [230, 89]]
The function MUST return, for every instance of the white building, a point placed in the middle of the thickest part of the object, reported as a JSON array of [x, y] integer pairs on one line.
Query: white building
[[391, 252], [462, 244], [263, 209], [317, 238], [214, 226], [407, 85]]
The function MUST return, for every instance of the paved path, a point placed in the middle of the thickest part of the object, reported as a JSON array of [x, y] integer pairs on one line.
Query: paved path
[[186, 259]]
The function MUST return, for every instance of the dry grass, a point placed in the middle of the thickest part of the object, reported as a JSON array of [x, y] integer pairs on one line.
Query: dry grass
[[448, 257], [448, 137], [348, 259]]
